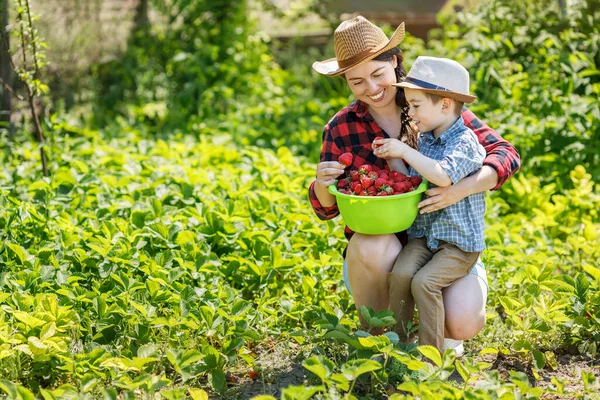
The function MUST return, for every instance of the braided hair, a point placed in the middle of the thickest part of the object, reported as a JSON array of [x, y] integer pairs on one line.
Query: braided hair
[[407, 134]]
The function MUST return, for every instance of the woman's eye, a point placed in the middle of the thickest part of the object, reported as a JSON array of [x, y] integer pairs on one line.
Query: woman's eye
[[358, 83], [377, 76]]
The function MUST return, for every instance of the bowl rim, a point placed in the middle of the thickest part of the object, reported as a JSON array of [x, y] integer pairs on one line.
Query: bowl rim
[[333, 190]]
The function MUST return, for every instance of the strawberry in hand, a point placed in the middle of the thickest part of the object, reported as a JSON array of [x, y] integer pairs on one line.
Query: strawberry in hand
[[345, 159]]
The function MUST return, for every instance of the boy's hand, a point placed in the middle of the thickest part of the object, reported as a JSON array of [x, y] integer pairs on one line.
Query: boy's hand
[[389, 148]]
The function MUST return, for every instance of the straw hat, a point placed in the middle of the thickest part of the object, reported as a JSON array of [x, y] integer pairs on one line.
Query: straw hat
[[441, 76], [355, 42]]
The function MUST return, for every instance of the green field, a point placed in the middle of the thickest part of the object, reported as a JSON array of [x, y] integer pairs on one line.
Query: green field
[[172, 251]]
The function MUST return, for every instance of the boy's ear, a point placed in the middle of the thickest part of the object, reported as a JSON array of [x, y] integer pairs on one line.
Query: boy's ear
[[447, 104]]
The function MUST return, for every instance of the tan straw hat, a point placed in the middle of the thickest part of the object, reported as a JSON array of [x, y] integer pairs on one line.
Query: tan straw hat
[[355, 42], [441, 76]]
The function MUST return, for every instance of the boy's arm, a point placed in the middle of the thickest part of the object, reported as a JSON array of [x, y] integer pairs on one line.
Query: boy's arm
[[397, 164], [428, 168], [425, 166]]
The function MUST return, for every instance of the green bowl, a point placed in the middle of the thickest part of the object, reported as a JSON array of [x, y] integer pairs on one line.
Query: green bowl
[[379, 215]]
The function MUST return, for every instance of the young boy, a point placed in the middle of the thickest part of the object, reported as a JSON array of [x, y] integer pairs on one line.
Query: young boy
[[443, 245]]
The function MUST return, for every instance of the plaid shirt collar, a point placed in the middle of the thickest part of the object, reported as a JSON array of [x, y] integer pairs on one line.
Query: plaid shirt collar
[[361, 110], [457, 128]]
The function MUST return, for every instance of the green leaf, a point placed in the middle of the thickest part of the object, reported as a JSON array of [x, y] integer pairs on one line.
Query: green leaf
[[9, 388], [28, 319], [198, 394], [431, 353], [464, 374], [19, 251], [355, 368], [218, 380], [411, 387], [341, 381], [300, 392], [320, 366], [148, 350], [138, 218], [24, 393], [540, 359], [374, 341]]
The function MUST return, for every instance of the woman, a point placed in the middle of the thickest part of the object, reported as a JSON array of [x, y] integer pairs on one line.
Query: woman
[[370, 63]]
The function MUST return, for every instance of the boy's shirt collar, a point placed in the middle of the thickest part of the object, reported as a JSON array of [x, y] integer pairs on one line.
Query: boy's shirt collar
[[457, 127]]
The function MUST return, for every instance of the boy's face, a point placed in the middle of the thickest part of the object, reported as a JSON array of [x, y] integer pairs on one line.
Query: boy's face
[[426, 114], [371, 82]]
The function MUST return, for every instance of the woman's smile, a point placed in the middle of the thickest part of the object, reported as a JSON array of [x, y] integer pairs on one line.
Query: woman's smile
[[378, 97]]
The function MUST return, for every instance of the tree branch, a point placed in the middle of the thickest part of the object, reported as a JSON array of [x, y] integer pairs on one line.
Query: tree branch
[[11, 90]]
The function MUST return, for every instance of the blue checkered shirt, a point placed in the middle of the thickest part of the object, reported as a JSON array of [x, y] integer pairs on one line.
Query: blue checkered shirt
[[460, 155]]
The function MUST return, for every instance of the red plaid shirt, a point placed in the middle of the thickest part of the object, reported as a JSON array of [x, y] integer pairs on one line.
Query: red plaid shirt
[[353, 129]]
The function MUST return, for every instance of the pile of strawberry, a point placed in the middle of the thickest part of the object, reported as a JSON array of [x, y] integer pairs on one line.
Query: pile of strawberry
[[365, 182]]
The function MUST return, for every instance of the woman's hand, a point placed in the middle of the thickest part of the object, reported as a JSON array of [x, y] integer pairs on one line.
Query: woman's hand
[[441, 197], [328, 171], [389, 148]]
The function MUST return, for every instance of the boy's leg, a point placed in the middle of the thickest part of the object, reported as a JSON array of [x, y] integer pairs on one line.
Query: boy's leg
[[447, 265], [412, 257]]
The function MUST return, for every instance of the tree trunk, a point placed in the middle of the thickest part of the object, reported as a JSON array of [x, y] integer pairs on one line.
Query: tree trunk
[[5, 69], [141, 16]]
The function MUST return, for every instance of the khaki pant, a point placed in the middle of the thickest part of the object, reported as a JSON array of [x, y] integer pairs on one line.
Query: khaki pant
[[418, 276]]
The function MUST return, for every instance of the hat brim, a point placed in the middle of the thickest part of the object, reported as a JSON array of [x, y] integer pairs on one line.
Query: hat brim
[[330, 67], [463, 98]]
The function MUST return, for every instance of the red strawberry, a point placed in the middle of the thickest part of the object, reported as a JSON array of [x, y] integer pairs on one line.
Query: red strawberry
[[382, 193], [399, 187], [357, 189], [345, 159], [371, 190], [253, 374], [366, 182], [379, 182], [354, 175], [400, 177], [415, 180], [342, 184], [365, 169], [387, 189]]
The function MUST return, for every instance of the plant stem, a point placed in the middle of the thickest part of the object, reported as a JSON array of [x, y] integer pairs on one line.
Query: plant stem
[[31, 88]]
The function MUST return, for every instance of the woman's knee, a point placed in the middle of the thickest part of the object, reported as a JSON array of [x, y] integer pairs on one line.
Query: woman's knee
[[464, 305], [465, 327], [374, 251]]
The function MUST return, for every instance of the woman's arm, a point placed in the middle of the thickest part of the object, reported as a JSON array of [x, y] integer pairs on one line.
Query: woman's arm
[[441, 197], [324, 203], [501, 156]]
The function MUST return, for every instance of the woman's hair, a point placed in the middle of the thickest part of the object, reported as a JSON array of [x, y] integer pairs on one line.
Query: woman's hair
[[407, 135]]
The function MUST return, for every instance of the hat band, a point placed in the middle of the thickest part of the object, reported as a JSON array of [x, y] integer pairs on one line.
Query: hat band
[[425, 85], [355, 58]]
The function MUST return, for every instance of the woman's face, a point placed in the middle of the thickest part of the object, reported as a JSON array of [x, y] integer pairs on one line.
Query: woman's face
[[371, 82]]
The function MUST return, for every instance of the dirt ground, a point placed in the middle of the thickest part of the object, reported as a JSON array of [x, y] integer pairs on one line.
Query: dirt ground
[[279, 365]]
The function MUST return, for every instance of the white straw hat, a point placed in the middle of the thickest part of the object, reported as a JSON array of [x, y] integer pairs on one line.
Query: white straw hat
[[441, 76], [355, 42]]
